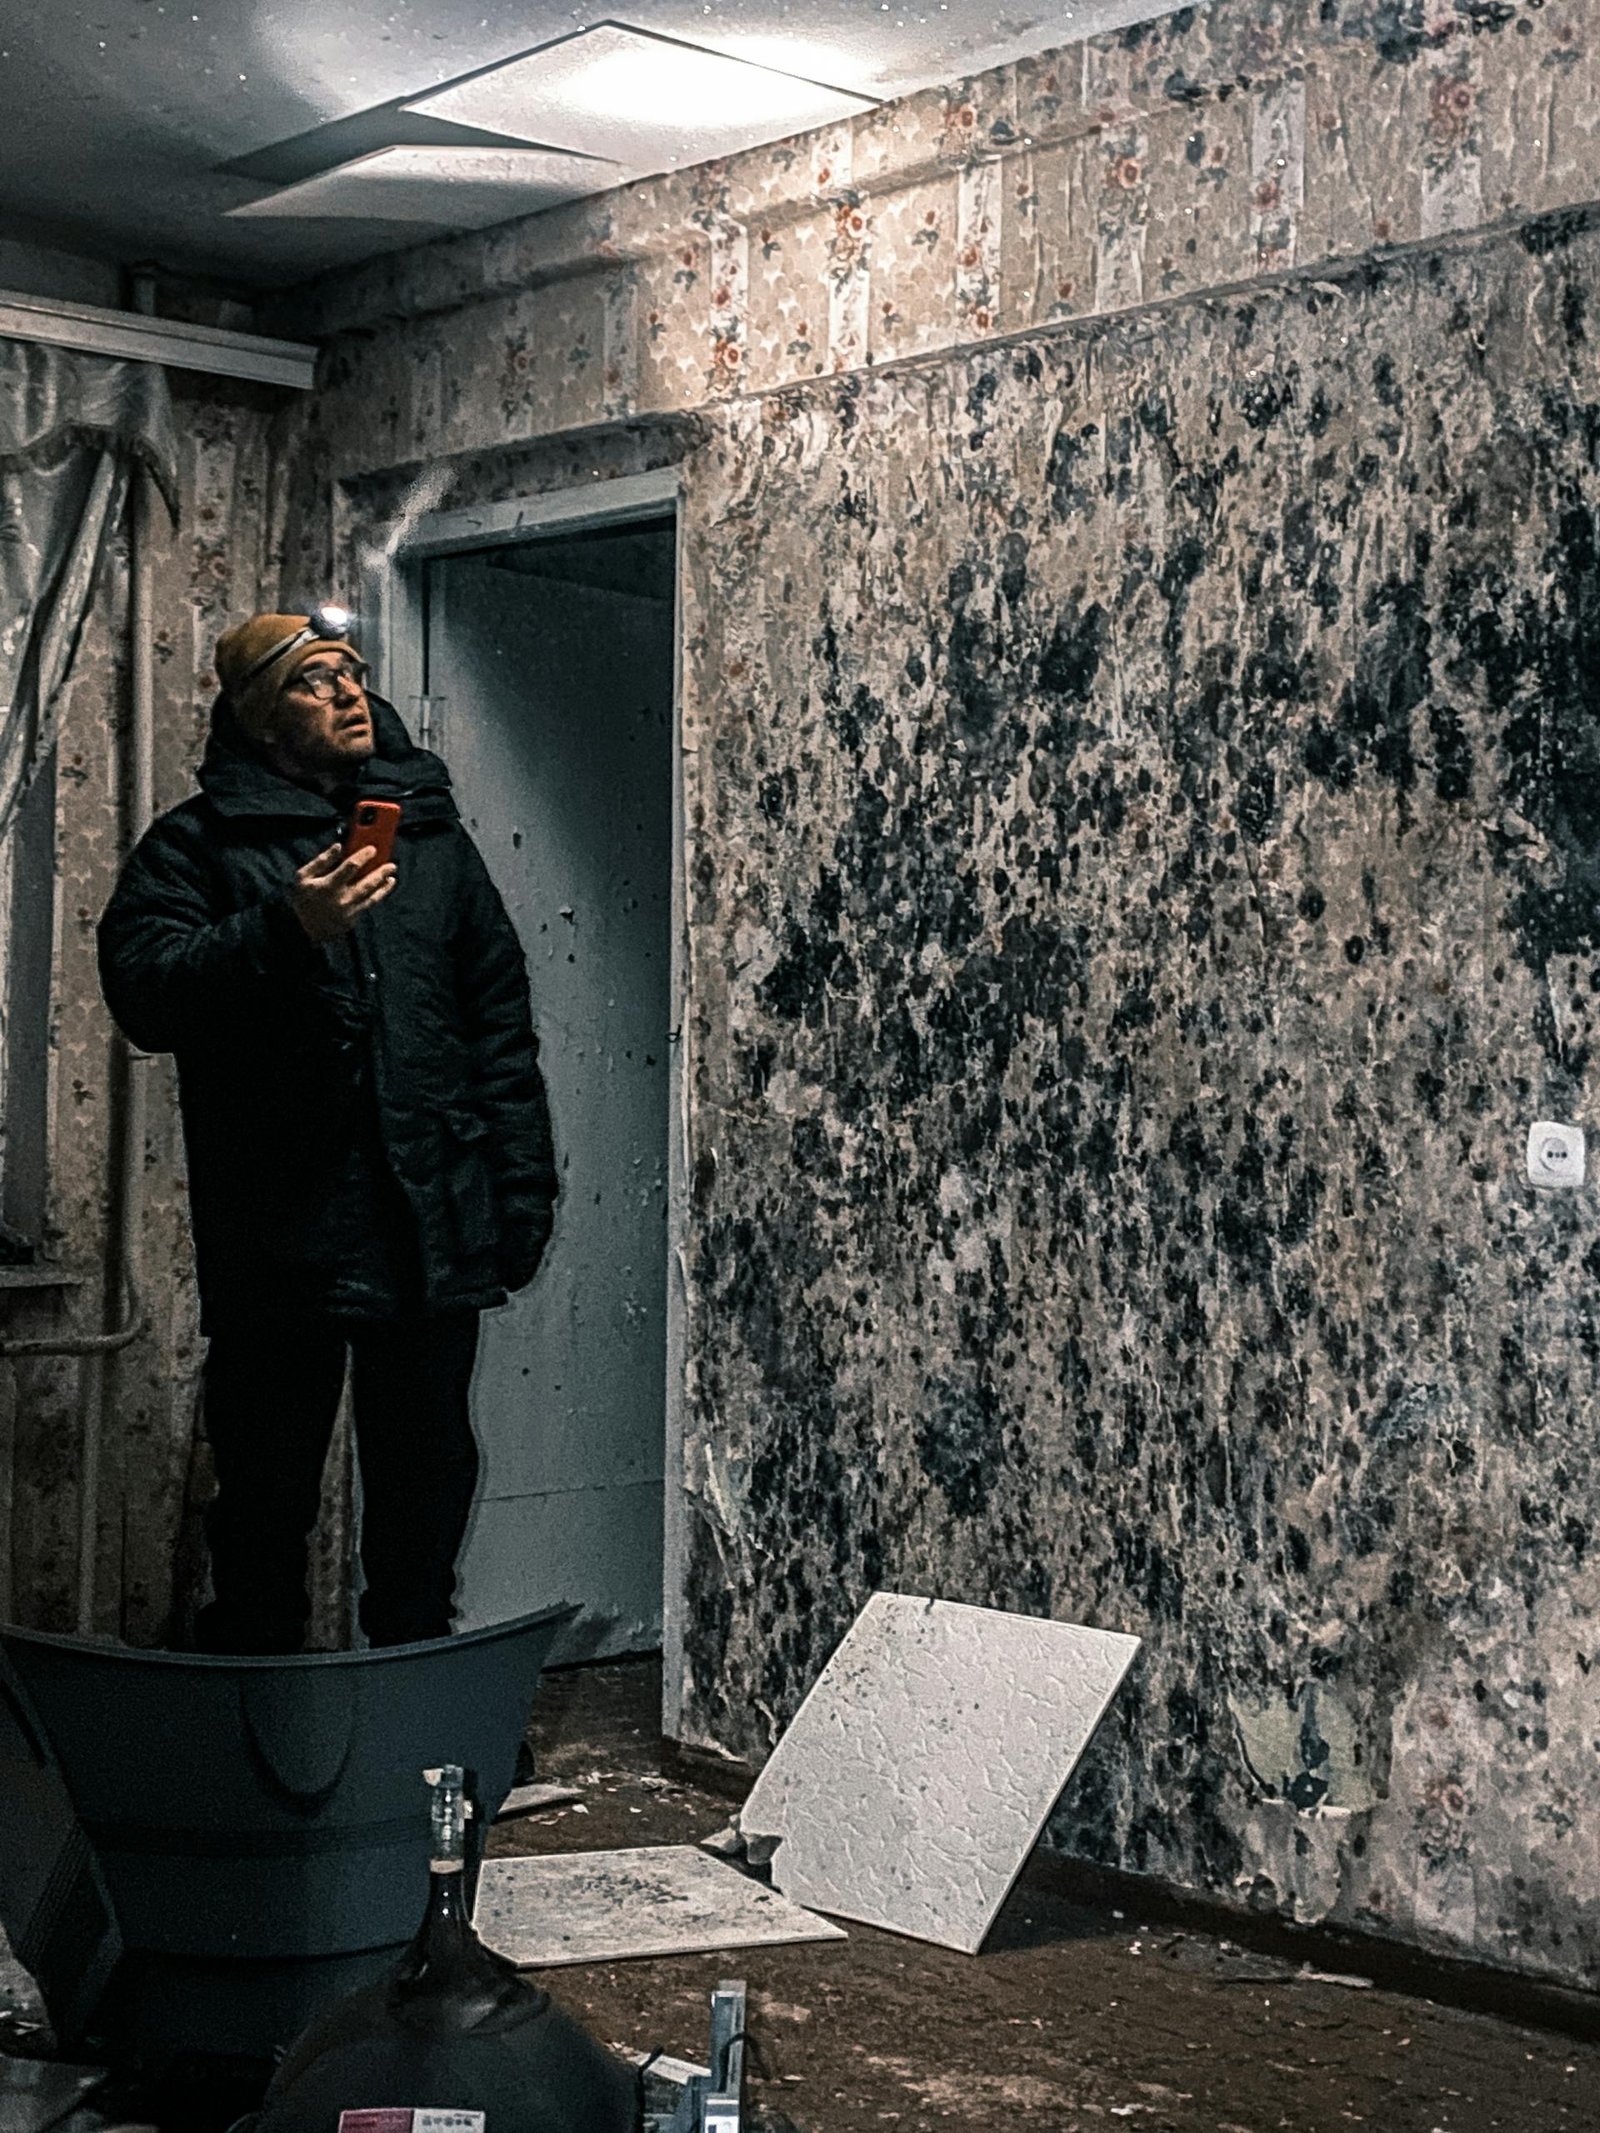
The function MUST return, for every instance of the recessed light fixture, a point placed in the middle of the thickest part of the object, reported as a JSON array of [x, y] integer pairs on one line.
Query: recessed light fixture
[[647, 103], [455, 188]]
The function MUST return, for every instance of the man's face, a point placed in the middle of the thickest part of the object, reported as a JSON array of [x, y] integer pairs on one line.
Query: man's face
[[323, 738]]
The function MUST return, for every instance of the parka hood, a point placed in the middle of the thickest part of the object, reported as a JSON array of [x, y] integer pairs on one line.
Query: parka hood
[[237, 778]]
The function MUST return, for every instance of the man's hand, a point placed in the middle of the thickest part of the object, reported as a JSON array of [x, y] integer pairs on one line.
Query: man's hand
[[330, 892]]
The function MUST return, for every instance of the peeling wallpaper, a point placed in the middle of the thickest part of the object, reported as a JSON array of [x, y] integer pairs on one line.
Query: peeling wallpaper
[[219, 562], [1140, 605]]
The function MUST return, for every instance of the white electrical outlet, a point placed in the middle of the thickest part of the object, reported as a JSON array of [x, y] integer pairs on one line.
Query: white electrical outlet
[[1555, 1155]]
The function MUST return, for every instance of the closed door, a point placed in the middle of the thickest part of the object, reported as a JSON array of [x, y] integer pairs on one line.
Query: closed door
[[549, 694]]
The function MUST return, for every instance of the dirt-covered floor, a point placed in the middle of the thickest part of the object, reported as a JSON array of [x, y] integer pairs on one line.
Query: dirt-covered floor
[[1070, 2019]]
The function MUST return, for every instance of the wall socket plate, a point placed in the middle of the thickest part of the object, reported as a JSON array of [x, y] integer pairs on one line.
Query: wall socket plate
[[1555, 1155]]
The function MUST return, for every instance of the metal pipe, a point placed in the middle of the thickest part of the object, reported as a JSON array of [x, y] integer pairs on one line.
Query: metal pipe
[[130, 1114], [99, 1385], [80, 1342], [87, 1344], [126, 1268]]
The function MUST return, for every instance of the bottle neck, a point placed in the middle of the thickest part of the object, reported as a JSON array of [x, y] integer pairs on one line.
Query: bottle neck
[[447, 1888], [447, 1817], [446, 1928], [448, 1981], [446, 1933]]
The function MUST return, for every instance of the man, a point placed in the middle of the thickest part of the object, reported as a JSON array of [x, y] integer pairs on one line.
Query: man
[[368, 1138]]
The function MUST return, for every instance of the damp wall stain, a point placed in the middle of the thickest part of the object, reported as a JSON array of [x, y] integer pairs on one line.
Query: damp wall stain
[[1149, 888], [1141, 825]]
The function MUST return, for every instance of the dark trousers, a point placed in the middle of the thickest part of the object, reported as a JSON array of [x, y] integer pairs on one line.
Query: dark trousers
[[271, 1393]]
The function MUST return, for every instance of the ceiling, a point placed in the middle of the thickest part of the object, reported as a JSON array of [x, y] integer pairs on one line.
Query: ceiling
[[138, 129]]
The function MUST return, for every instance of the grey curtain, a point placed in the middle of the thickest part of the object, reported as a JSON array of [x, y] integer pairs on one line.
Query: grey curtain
[[71, 428]]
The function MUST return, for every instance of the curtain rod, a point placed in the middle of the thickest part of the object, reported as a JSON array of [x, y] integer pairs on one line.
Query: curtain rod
[[157, 340]]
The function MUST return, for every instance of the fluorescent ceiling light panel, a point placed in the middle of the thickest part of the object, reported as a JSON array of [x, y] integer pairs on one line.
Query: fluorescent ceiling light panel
[[456, 188], [648, 103]]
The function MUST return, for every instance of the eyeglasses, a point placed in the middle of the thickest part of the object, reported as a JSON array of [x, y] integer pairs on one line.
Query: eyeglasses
[[321, 683]]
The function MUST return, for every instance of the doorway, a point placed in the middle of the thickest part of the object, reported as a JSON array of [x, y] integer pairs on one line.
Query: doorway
[[544, 665]]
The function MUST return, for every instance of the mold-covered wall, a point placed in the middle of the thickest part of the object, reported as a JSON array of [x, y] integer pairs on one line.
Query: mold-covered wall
[[1149, 892], [1139, 610]]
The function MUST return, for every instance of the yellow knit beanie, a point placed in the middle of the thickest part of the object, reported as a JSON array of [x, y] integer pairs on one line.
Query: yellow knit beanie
[[251, 696]]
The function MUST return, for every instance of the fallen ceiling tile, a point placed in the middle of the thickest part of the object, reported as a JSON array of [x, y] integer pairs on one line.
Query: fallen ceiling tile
[[917, 1775], [459, 188], [646, 102], [600, 1907]]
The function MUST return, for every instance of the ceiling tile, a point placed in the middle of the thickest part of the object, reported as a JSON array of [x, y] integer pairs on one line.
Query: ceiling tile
[[307, 155], [459, 188], [648, 103]]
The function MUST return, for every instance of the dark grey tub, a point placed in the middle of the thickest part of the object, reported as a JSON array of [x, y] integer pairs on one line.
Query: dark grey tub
[[198, 1853]]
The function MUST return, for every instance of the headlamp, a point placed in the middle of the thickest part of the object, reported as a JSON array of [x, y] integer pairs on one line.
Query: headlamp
[[328, 620]]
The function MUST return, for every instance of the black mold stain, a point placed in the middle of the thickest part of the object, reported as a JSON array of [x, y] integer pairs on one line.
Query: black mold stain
[[1543, 235], [960, 1444], [1539, 657], [1172, 923], [1396, 29], [1069, 455], [1071, 661]]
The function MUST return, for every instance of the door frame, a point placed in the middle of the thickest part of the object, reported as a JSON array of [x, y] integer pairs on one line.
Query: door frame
[[393, 597]]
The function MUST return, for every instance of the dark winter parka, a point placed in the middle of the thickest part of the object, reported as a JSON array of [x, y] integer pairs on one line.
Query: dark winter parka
[[323, 1084]]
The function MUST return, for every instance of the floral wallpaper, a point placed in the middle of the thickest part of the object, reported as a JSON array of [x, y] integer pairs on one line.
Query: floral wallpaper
[[1215, 149]]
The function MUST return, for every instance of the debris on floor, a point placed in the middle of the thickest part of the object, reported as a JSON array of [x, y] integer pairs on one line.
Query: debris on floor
[[1078, 2017], [732, 1844], [20, 1998], [535, 1799], [1059, 2027], [917, 1776], [601, 1907]]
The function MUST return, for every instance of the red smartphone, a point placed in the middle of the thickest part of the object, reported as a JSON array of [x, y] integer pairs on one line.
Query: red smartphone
[[374, 822]]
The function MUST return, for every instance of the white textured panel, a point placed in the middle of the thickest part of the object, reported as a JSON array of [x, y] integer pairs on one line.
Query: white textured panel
[[649, 103], [459, 188], [599, 1907], [919, 1771]]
